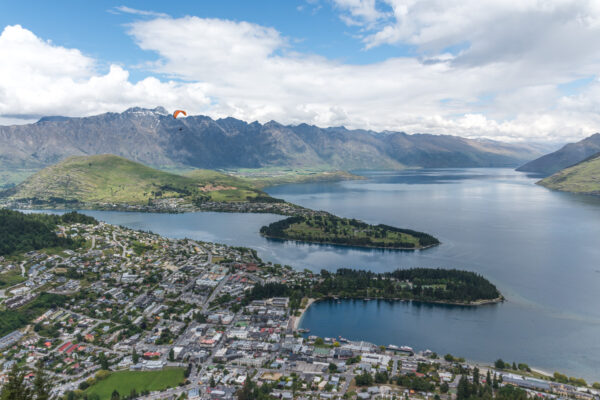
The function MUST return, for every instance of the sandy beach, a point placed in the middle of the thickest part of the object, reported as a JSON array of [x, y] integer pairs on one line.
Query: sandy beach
[[296, 320]]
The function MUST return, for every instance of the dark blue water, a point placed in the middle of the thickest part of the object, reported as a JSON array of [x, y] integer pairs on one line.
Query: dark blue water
[[541, 248]]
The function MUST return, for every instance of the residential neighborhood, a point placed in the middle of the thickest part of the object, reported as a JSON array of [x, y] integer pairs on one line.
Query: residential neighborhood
[[131, 302]]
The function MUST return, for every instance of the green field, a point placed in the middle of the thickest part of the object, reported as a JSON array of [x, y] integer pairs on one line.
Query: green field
[[125, 381], [344, 231], [110, 179], [11, 278], [580, 178]]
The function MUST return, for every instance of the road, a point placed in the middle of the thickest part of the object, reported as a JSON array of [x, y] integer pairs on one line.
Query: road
[[214, 293]]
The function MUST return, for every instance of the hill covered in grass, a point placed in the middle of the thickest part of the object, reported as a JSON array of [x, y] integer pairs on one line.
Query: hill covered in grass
[[108, 178], [583, 177]]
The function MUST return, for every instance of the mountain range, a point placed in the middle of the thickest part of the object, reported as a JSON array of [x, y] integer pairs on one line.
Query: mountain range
[[155, 138], [566, 156]]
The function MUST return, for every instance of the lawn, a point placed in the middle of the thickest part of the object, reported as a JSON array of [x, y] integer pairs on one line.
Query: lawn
[[11, 278], [125, 381]]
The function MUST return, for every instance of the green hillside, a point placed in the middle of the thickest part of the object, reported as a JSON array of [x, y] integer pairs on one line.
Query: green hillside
[[583, 177], [111, 179]]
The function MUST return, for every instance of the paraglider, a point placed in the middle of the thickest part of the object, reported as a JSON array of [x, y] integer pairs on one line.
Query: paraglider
[[177, 112]]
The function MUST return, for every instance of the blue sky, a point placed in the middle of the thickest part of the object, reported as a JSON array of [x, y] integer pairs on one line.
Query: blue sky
[[98, 29], [505, 69]]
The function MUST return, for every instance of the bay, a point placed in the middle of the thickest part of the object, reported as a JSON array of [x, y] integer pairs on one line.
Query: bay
[[541, 248]]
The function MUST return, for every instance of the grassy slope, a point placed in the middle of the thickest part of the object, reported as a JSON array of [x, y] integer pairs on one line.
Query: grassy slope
[[580, 178], [271, 176], [11, 278], [125, 381], [108, 178]]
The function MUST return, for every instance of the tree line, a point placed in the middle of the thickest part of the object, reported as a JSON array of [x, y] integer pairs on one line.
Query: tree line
[[451, 285], [21, 232]]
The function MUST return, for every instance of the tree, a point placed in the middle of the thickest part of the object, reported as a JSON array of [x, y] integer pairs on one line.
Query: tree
[[103, 362], [41, 384], [115, 395], [476, 376], [444, 387], [319, 341], [332, 368], [500, 364], [364, 379], [463, 391], [488, 378], [135, 357], [171, 355], [15, 388], [246, 392], [381, 377]]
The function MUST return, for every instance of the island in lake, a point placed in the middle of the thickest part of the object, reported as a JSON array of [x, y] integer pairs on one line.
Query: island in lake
[[329, 229]]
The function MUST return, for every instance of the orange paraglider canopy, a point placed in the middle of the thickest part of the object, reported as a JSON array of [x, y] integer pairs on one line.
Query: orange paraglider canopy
[[177, 112]]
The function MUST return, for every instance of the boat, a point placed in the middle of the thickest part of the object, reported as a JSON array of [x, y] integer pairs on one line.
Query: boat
[[407, 349]]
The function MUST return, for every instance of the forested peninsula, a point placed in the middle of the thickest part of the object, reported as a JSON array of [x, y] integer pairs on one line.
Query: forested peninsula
[[21, 232], [329, 229], [434, 285]]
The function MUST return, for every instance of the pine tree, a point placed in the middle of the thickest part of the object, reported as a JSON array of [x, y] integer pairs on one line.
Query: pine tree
[[41, 384], [135, 357], [463, 391], [476, 376], [488, 378], [246, 392], [15, 388], [115, 395], [103, 361]]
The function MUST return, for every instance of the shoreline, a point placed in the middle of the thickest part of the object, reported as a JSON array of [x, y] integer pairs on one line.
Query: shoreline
[[475, 303], [296, 320], [351, 245]]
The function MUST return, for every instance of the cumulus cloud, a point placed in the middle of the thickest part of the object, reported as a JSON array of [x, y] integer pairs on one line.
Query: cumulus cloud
[[39, 79], [252, 72]]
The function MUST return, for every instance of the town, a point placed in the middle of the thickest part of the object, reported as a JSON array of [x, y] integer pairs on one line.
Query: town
[[133, 314]]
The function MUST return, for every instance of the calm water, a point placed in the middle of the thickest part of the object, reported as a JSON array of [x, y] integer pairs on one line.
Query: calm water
[[541, 248]]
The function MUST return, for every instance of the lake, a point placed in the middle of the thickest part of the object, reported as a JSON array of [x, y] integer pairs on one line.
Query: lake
[[540, 248]]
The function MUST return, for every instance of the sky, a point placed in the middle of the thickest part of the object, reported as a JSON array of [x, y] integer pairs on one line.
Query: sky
[[522, 70]]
